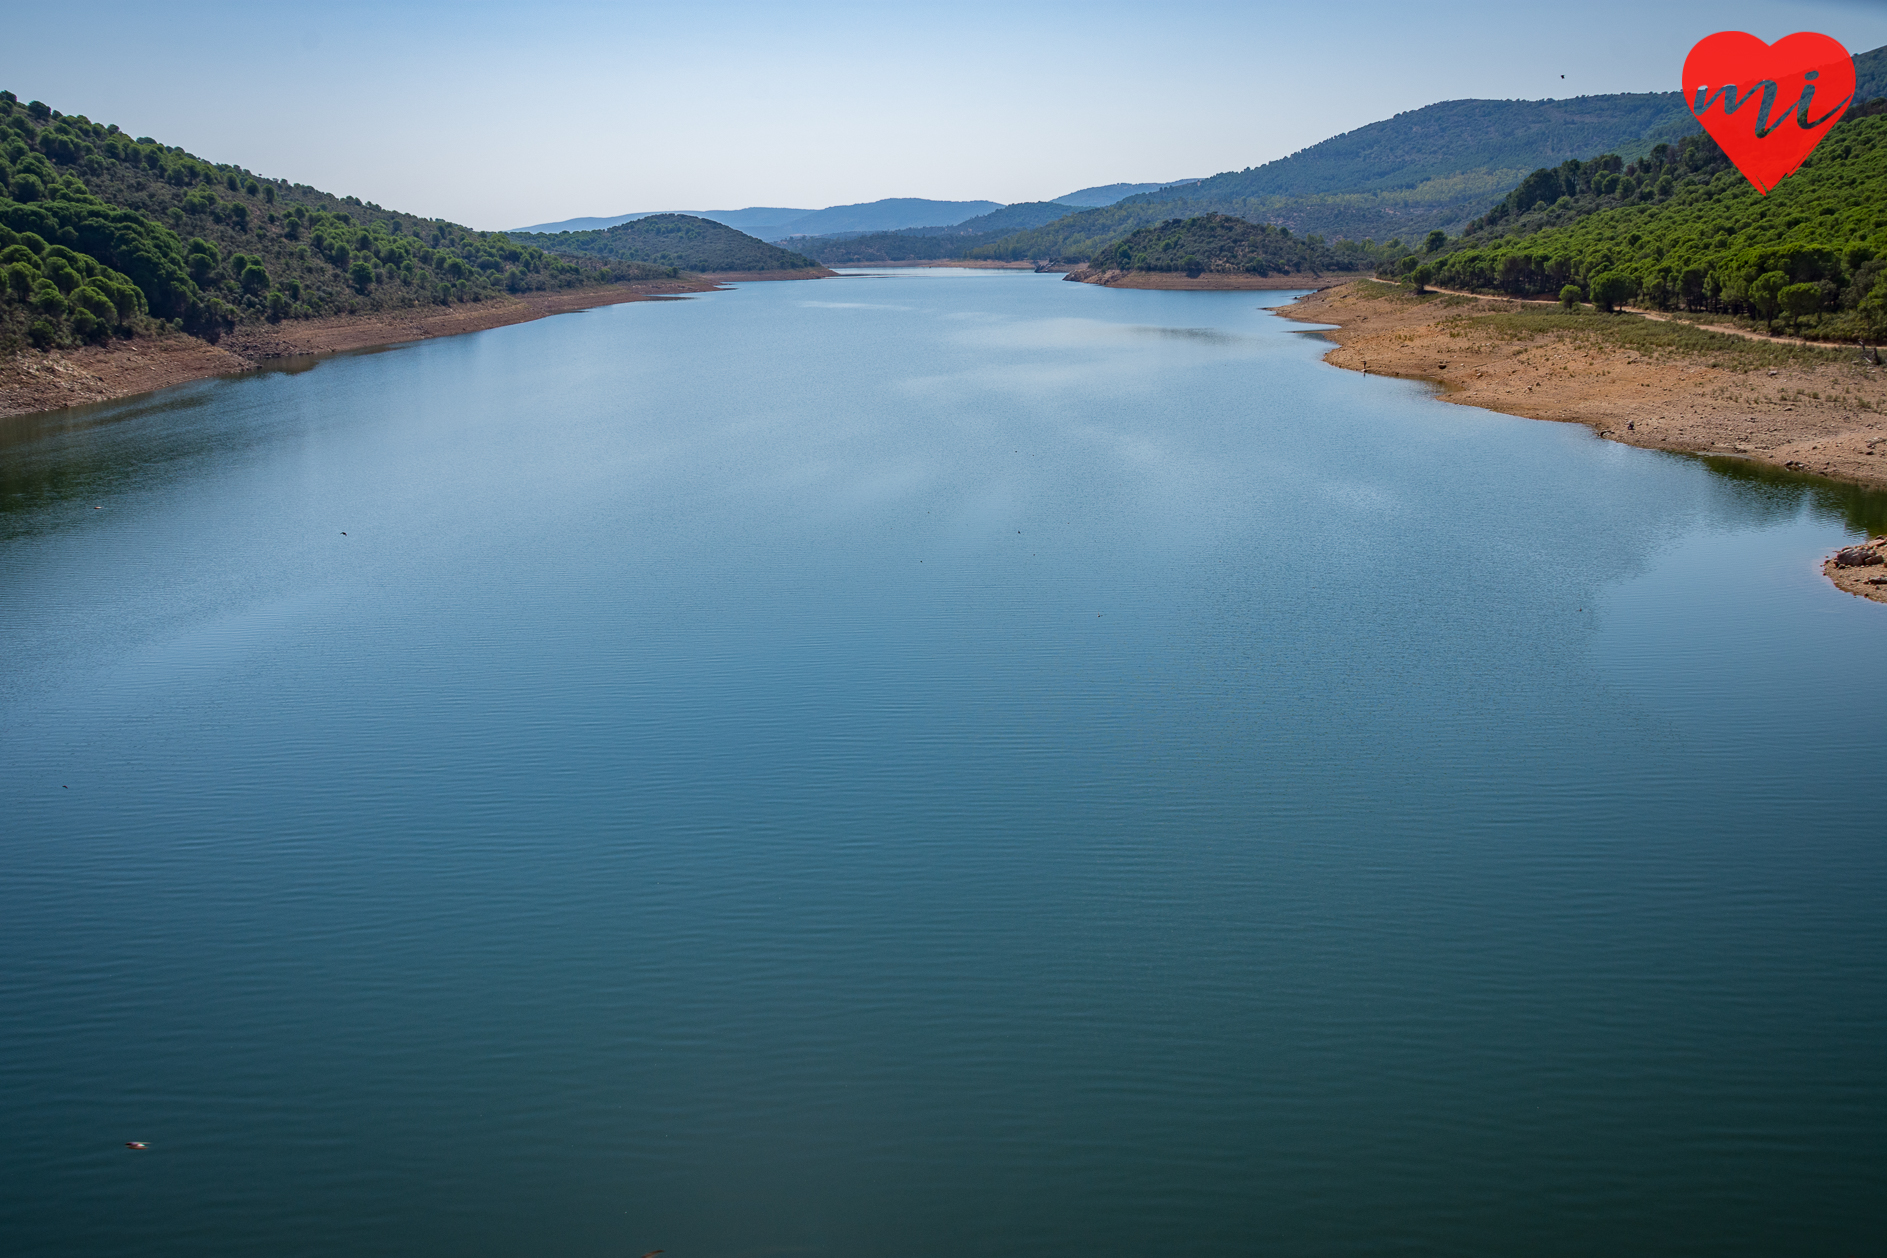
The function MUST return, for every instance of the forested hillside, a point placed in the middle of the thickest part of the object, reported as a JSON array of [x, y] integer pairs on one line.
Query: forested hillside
[[102, 234], [1429, 168], [673, 240], [1682, 230], [1870, 76], [918, 243], [1219, 244]]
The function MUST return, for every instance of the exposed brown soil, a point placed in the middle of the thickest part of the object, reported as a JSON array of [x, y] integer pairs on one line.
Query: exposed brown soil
[[1205, 280], [1863, 579], [35, 381], [1662, 402], [97, 373]]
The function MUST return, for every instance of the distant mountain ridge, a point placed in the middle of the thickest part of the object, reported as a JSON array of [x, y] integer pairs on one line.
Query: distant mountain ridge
[[1425, 169], [1437, 167], [1107, 194], [741, 220], [777, 223], [922, 244]]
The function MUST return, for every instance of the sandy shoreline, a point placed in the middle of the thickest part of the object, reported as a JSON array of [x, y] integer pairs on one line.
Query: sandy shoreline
[[33, 381], [1827, 417]]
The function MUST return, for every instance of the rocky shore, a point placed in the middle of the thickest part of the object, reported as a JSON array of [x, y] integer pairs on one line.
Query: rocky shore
[[1860, 570]]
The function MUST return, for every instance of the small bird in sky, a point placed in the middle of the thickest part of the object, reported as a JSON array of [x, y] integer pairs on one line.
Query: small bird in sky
[[653, 1252], [136, 1144]]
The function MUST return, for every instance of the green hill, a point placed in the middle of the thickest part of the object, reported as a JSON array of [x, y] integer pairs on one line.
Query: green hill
[[102, 234], [1429, 168], [1219, 244], [919, 243], [673, 240], [1682, 230]]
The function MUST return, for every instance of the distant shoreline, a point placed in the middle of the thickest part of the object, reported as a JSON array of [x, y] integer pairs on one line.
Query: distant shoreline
[[974, 264], [1206, 281], [32, 382]]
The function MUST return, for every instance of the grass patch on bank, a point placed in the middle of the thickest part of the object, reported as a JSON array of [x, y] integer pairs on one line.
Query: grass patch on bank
[[1651, 337]]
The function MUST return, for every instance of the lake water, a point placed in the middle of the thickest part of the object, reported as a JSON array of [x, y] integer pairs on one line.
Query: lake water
[[939, 764]]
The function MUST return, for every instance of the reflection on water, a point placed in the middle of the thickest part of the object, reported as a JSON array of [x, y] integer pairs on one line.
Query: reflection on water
[[1777, 492], [1010, 766]]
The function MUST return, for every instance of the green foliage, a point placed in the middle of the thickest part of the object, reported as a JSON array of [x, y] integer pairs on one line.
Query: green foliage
[[1800, 299], [1221, 244], [1570, 297], [83, 206], [673, 243], [925, 243], [1713, 246], [1612, 288]]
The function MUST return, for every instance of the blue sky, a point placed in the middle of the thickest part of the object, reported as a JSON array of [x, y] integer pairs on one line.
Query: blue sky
[[502, 115]]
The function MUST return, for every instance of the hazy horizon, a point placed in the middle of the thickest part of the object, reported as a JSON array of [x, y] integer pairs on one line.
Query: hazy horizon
[[479, 115]]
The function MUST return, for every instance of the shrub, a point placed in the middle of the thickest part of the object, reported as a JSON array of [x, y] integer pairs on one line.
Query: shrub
[[49, 300], [1570, 296], [89, 300], [1420, 277], [1612, 288], [1800, 299], [1765, 293]]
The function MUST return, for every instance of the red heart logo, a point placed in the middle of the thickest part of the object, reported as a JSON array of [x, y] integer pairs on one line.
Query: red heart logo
[[1768, 105]]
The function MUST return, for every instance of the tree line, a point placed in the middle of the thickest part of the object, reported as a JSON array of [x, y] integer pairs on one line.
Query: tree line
[[87, 212], [1682, 230]]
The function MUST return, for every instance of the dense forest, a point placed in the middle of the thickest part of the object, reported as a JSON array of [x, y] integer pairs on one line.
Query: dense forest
[[102, 234], [673, 240], [1680, 229], [1220, 244]]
